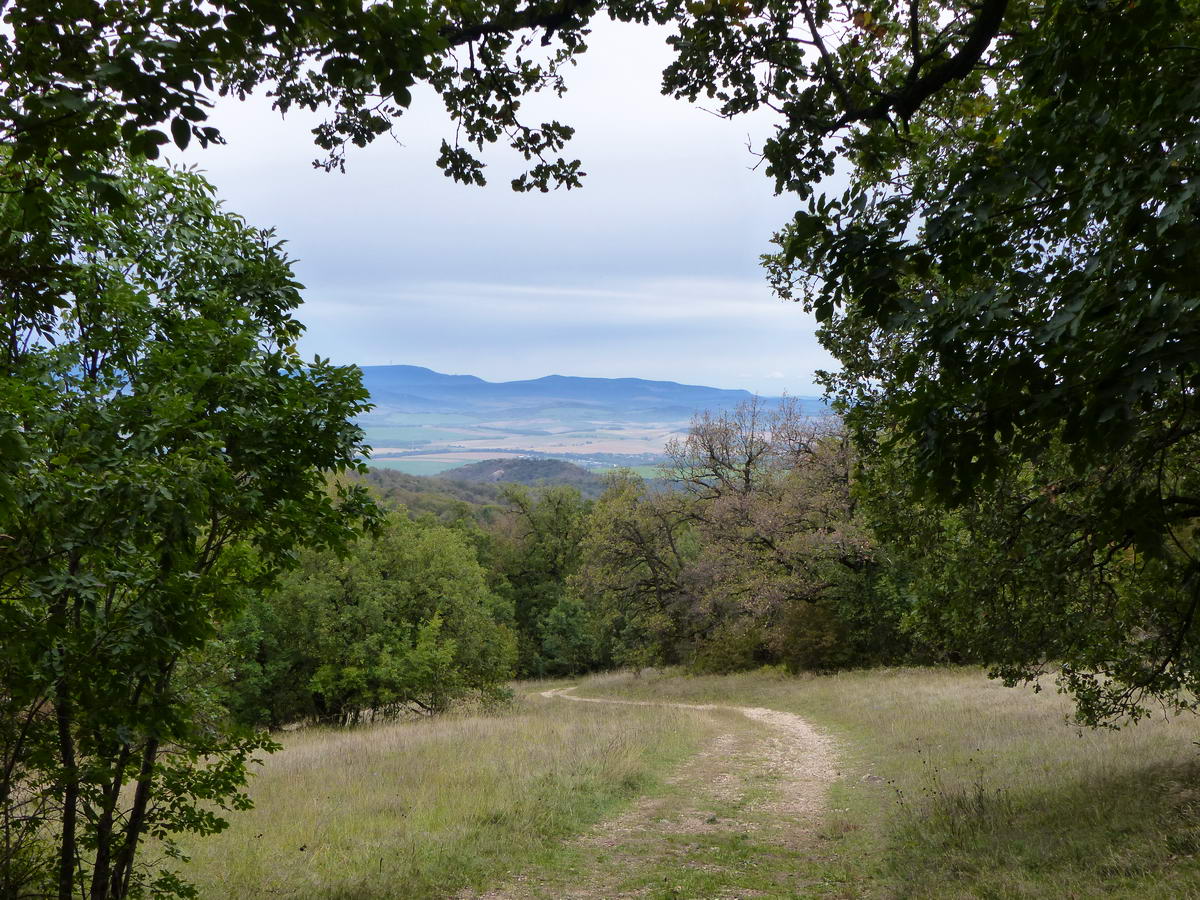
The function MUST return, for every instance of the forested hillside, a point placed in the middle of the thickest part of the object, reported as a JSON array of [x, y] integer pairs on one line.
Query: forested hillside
[[530, 472], [476, 489], [442, 498]]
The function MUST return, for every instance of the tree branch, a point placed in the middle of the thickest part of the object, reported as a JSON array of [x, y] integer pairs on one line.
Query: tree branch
[[550, 17]]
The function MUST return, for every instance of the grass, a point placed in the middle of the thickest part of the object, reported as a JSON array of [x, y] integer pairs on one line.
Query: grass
[[950, 786], [429, 808], [955, 786], [714, 831]]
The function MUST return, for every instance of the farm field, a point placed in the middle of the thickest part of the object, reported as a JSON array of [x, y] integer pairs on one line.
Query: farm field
[[418, 465], [914, 783]]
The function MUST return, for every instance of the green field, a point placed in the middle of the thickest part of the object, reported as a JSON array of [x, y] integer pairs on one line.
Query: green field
[[425, 809]]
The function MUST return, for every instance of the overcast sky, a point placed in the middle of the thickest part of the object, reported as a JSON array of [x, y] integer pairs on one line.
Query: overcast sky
[[650, 271]]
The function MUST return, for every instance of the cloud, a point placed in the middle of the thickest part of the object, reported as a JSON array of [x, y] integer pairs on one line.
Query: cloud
[[632, 301], [678, 330]]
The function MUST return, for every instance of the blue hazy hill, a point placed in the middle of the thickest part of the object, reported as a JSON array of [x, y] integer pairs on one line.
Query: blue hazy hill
[[413, 389]]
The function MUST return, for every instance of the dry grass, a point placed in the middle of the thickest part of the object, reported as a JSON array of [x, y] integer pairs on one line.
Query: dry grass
[[951, 786], [959, 787], [425, 809]]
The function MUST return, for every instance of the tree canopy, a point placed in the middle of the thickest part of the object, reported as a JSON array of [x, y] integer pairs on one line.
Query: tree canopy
[[97, 77], [404, 621], [1008, 266], [1006, 284]]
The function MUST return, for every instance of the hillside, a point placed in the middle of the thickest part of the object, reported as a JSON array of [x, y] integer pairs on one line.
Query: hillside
[[441, 497], [474, 489], [529, 472], [412, 389]]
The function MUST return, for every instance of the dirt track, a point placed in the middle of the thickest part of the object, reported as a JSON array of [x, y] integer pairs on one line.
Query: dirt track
[[765, 774]]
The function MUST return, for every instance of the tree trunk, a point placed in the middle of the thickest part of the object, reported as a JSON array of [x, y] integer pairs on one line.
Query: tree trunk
[[102, 868], [66, 749], [122, 871]]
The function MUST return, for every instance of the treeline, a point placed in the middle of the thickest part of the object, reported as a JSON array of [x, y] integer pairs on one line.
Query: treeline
[[760, 555]]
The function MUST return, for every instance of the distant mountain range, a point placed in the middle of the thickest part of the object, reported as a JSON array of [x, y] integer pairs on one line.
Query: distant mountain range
[[425, 422], [413, 389]]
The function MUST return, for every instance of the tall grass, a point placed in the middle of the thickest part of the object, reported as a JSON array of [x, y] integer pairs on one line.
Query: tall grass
[[425, 809], [956, 786]]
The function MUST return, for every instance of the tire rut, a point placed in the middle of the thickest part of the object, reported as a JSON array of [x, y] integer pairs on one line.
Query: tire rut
[[766, 777]]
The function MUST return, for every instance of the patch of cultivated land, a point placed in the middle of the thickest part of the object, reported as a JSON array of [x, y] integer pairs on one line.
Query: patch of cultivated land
[[887, 783]]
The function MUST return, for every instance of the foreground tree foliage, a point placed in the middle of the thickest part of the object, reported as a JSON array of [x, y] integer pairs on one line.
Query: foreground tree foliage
[[1032, 575], [404, 622], [1008, 286], [165, 454]]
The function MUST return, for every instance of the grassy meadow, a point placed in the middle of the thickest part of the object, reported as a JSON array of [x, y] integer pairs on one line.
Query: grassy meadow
[[424, 809], [955, 786], [949, 785]]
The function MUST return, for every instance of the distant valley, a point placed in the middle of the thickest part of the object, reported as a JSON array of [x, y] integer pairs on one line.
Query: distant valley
[[427, 422]]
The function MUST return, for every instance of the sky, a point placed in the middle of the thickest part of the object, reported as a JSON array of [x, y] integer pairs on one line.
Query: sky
[[651, 270]]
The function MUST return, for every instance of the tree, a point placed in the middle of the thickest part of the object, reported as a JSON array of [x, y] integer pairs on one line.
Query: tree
[[787, 557], [120, 76], [1005, 284], [758, 555], [1026, 575], [116, 74], [405, 621], [535, 549], [1006, 267], [165, 453], [633, 577]]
